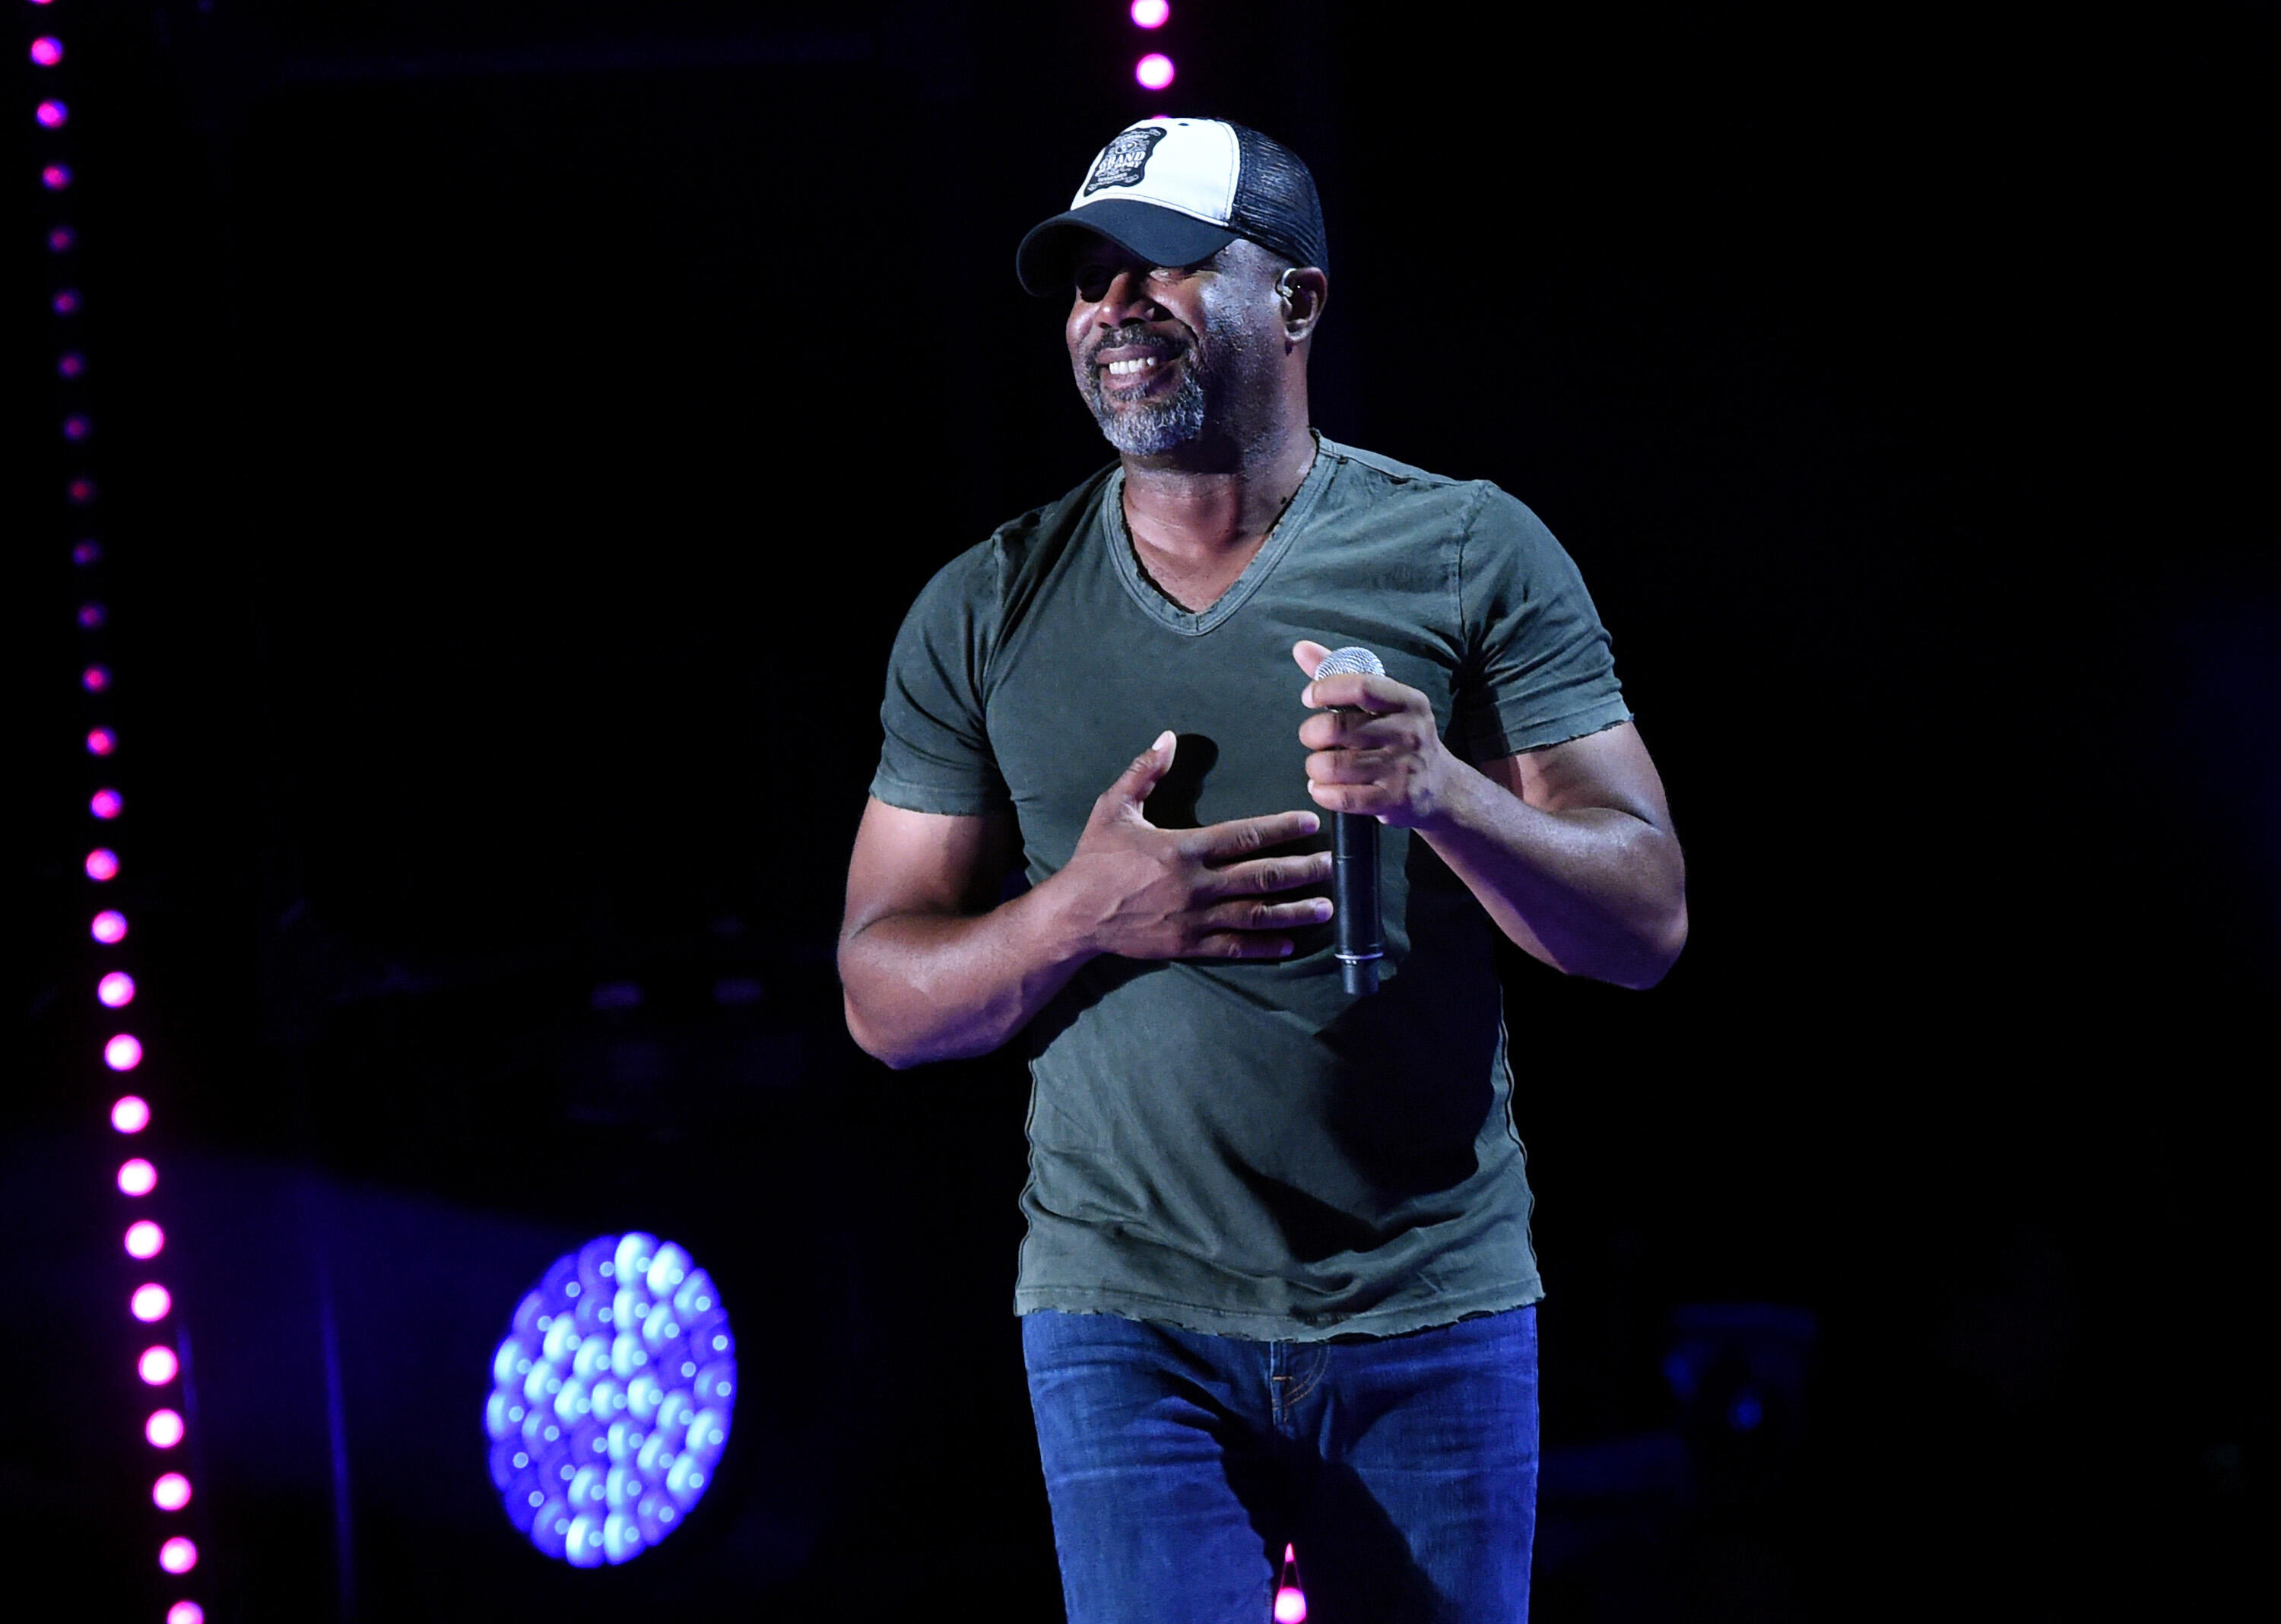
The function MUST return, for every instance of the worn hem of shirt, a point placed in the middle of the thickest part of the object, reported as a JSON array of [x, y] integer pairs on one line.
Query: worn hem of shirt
[[1395, 1321]]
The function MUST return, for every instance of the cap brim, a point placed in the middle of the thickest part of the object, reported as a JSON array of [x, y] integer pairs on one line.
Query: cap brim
[[1157, 234]]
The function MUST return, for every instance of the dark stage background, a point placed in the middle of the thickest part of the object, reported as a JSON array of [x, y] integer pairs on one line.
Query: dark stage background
[[522, 427]]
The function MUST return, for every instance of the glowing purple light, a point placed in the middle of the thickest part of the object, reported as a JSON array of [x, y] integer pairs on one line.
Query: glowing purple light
[[186, 1613], [55, 177], [92, 615], [158, 1366], [52, 115], [101, 741], [1153, 71], [171, 1493], [70, 364], [86, 553], [66, 302], [145, 1240], [80, 493], [116, 991], [123, 1053], [595, 1358], [178, 1555], [109, 927], [1151, 13], [78, 427], [96, 678], [102, 864], [47, 50], [137, 1178], [149, 1302], [128, 1113], [164, 1429], [1290, 1600], [106, 804]]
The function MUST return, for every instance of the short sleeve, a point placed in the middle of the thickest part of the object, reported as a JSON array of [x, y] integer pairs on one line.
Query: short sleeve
[[1538, 671], [935, 755]]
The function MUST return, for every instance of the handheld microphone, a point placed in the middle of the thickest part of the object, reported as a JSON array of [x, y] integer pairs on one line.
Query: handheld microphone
[[1359, 934]]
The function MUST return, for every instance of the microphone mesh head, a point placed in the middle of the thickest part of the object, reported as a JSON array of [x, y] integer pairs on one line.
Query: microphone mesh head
[[1350, 660]]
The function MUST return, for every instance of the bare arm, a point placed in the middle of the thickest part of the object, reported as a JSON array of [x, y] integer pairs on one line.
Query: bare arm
[[931, 970], [1570, 849]]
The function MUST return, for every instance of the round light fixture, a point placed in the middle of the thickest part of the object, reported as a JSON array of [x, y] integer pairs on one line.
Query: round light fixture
[[611, 1398]]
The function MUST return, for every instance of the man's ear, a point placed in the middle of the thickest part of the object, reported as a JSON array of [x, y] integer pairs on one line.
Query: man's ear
[[1303, 291]]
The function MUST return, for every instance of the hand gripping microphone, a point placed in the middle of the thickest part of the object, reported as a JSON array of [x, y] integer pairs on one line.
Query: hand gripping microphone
[[1358, 937]]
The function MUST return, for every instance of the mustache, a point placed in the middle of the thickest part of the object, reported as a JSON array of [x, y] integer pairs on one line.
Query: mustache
[[1129, 337]]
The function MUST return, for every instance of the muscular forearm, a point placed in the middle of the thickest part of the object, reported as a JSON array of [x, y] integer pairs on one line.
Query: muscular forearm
[[937, 986], [928, 977], [1593, 891]]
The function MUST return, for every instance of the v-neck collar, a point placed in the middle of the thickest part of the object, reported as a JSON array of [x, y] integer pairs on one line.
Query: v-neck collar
[[1262, 563]]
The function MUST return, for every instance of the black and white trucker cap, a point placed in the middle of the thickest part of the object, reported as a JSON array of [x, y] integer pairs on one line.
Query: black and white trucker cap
[[1177, 191]]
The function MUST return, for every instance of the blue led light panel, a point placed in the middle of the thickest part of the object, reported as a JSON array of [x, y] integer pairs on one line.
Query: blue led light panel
[[611, 1394]]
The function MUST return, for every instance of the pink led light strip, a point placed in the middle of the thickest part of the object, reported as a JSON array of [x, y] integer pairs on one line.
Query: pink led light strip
[[1153, 71], [149, 1302]]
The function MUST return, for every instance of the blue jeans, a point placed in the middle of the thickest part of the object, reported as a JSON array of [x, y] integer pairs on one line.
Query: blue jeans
[[1178, 1465]]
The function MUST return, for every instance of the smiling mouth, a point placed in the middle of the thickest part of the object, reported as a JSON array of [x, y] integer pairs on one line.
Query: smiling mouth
[[1131, 376]]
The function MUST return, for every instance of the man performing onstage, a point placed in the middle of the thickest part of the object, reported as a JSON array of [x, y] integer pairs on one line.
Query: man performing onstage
[[1277, 1284]]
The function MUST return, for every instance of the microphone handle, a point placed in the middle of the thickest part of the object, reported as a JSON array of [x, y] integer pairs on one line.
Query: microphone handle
[[1359, 936]]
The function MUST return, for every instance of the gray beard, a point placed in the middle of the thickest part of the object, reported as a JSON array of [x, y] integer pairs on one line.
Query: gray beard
[[1150, 427]]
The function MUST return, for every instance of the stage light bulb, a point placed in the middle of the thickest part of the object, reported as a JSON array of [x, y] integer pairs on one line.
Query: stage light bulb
[[164, 1429], [106, 804], [70, 364], [1153, 71], [137, 1178], [158, 1366], [47, 50], [128, 1113], [178, 1555], [1151, 13], [55, 177], [51, 114], [101, 741], [171, 1493], [149, 1302], [667, 1271], [123, 1053], [116, 991], [622, 1537], [102, 865], [635, 1253], [95, 679], [145, 1240], [1290, 1601], [108, 927], [62, 240], [186, 1613], [78, 426]]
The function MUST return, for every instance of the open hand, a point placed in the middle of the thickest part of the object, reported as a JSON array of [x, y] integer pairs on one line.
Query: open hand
[[1168, 893]]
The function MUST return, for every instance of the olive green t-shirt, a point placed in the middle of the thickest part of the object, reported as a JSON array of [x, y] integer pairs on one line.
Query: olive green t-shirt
[[1241, 1147]]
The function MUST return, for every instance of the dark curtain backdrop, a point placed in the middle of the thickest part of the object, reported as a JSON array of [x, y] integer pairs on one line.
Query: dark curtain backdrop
[[522, 429]]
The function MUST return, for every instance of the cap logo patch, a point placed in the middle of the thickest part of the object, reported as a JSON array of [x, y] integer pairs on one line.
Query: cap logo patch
[[1124, 159]]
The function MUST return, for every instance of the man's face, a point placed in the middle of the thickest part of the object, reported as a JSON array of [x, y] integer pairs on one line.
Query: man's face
[[1163, 354]]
